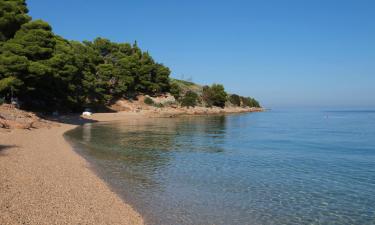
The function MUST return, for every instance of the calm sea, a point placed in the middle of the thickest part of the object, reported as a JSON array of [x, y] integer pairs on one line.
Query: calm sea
[[276, 167]]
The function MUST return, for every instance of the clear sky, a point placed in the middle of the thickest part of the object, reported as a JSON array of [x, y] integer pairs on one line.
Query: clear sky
[[282, 52]]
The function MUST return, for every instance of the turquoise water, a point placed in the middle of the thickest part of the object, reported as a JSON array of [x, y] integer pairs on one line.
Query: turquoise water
[[276, 167]]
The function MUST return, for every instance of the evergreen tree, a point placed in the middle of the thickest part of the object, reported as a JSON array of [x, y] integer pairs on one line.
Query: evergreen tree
[[235, 100], [214, 95], [13, 13]]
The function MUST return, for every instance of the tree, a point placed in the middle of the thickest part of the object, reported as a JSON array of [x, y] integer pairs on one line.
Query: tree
[[249, 102], [13, 13], [207, 96], [190, 99], [34, 40], [10, 84], [137, 72], [175, 90], [214, 95], [235, 100], [30, 49], [161, 78]]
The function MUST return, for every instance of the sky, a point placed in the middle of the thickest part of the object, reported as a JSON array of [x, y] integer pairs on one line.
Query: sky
[[289, 53]]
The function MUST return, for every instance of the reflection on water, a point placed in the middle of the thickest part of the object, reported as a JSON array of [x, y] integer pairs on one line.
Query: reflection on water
[[86, 132], [264, 168], [135, 156]]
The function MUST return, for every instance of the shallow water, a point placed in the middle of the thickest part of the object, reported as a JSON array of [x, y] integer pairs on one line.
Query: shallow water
[[277, 167]]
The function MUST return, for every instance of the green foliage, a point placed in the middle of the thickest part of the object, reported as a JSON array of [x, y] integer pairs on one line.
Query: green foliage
[[235, 100], [34, 40], [184, 82], [207, 95], [133, 71], [9, 83], [249, 102], [148, 101], [159, 105], [2, 100], [214, 95], [175, 90], [190, 99], [13, 13], [185, 86], [54, 73]]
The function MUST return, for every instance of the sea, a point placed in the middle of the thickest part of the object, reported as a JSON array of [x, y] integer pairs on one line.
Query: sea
[[282, 166]]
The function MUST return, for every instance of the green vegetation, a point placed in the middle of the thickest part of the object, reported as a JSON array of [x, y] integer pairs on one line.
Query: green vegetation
[[214, 95], [159, 105], [9, 83], [190, 99], [185, 86], [47, 72], [249, 102], [175, 90], [148, 101], [13, 14], [235, 100], [183, 82]]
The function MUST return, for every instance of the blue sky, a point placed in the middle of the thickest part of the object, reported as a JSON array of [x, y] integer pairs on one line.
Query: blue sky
[[282, 52]]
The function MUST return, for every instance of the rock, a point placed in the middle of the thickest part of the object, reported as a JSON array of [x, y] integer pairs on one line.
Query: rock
[[13, 118]]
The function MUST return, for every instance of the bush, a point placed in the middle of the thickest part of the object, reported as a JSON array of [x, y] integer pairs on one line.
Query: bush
[[148, 101], [2, 100], [159, 105], [190, 99], [214, 95], [175, 91], [249, 102], [235, 100], [207, 96]]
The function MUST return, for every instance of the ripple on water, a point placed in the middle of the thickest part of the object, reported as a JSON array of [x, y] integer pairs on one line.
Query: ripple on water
[[264, 168]]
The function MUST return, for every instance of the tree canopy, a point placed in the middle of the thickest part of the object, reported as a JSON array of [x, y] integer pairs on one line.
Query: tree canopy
[[48, 72], [214, 95], [13, 13]]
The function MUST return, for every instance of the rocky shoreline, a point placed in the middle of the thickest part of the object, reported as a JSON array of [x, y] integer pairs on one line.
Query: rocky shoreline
[[13, 118]]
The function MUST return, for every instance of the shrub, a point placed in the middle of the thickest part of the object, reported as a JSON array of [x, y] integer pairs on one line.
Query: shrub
[[207, 96], [2, 100], [214, 95], [159, 105], [249, 102], [175, 91], [255, 103], [190, 99], [148, 101], [235, 100]]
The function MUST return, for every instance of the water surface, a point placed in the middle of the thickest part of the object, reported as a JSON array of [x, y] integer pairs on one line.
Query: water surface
[[277, 167]]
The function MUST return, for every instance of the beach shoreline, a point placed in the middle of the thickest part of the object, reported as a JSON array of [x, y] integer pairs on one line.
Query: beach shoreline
[[44, 180]]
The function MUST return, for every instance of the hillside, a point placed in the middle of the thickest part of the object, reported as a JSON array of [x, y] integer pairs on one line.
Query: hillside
[[187, 85]]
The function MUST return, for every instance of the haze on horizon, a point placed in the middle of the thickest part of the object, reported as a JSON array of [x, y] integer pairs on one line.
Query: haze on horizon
[[283, 53]]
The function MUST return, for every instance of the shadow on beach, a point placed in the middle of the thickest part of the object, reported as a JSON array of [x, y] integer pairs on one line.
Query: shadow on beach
[[72, 119], [5, 147]]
